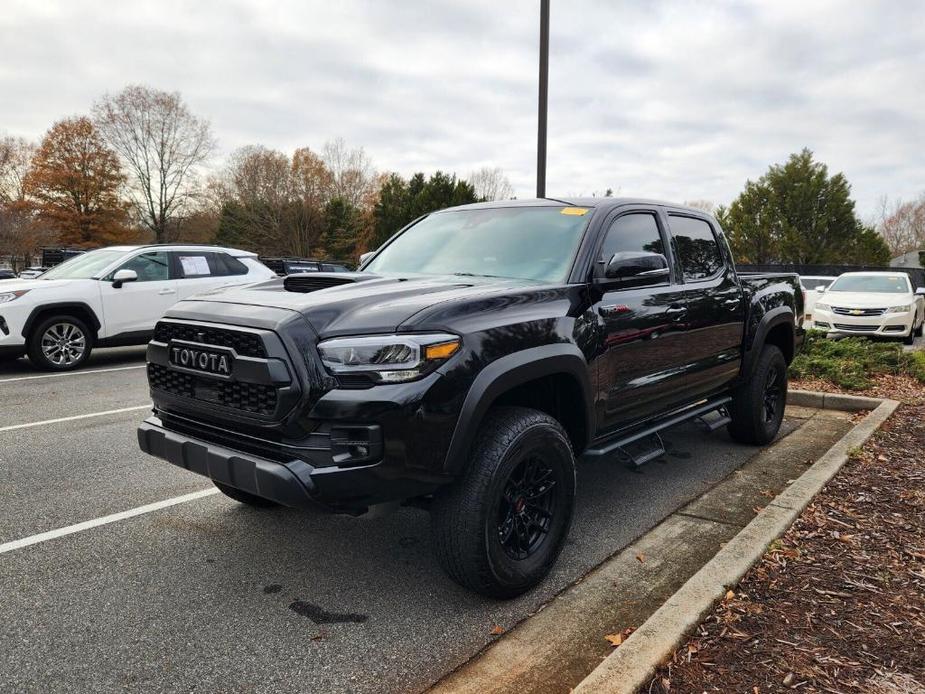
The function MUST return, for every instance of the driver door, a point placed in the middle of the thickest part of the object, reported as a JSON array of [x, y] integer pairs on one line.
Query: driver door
[[136, 306], [641, 347]]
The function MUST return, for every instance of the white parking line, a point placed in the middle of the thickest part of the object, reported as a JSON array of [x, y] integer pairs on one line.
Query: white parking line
[[29, 425], [70, 373], [113, 518]]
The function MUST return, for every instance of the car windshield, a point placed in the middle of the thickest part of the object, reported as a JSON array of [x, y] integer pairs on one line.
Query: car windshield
[[877, 284], [532, 243], [84, 267], [814, 283]]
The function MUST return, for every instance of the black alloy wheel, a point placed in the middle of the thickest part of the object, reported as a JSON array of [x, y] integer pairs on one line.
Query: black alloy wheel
[[527, 508]]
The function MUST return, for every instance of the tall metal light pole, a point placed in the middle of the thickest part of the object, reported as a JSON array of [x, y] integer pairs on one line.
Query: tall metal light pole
[[543, 101]]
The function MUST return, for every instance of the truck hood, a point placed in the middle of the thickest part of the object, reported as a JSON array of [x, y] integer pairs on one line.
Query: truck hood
[[377, 304], [865, 299]]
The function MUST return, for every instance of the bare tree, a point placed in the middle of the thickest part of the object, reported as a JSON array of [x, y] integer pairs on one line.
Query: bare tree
[[21, 233], [351, 169], [161, 144], [491, 184], [902, 224]]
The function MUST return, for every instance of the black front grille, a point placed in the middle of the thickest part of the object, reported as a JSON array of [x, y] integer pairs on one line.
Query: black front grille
[[245, 344], [249, 397], [854, 311]]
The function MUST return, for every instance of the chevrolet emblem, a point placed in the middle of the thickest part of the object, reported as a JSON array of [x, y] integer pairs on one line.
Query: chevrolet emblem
[[857, 312]]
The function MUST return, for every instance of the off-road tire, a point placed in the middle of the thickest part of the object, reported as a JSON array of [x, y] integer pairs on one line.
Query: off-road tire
[[244, 497], [468, 518], [751, 422], [34, 346]]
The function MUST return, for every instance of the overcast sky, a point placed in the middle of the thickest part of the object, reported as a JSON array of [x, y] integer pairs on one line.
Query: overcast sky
[[675, 100]]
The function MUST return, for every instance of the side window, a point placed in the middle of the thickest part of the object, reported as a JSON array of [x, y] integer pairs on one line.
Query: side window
[[150, 267], [193, 265], [697, 247], [637, 231], [229, 265]]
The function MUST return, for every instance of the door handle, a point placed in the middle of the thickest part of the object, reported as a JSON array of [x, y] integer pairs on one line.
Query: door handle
[[167, 291], [731, 303], [676, 312]]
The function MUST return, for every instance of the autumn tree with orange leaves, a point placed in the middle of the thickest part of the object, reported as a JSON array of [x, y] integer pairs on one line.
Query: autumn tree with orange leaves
[[74, 183]]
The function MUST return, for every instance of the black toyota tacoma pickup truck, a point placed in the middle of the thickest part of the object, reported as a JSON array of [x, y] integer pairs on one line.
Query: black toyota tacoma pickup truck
[[468, 364]]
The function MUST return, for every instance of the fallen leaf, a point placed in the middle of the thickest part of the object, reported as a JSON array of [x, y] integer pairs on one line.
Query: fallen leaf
[[496, 630], [730, 595], [640, 558], [614, 639]]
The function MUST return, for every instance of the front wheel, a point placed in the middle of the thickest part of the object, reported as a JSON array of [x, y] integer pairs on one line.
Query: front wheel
[[757, 407], [501, 527], [60, 343]]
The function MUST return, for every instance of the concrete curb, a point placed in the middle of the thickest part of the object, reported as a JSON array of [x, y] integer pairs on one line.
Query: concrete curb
[[631, 666], [831, 401]]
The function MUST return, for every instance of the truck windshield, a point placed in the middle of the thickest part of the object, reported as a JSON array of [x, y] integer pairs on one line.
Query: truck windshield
[[532, 243], [84, 267], [878, 284]]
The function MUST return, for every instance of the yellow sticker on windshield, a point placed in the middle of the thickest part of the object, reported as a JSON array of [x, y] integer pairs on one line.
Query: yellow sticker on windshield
[[577, 211]]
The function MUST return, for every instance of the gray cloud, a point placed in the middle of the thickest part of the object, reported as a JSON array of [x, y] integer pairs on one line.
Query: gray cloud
[[671, 99]]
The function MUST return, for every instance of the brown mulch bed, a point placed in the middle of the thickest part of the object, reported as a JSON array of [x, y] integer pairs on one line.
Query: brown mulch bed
[[898, 387], [838, 603]]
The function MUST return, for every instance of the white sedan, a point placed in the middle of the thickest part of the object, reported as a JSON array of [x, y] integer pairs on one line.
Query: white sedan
[[871, 303], [813, 287]]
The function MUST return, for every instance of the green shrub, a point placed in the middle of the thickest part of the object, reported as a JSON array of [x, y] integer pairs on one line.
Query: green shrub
[[850, 362]]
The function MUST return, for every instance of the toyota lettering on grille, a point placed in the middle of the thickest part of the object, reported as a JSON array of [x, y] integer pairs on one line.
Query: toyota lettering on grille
[[216, 363]]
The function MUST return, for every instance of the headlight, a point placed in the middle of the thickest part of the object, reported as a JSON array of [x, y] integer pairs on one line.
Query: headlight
[[7, 297], [823, 307], [388, 358], [900, 309]]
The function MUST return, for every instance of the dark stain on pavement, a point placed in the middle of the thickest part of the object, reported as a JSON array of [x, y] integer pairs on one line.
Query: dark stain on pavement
[[272, 588], [321, 616]]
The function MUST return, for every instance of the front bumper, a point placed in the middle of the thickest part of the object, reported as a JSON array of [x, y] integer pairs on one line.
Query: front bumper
[[886, 325], [13, 318], [295, 483]]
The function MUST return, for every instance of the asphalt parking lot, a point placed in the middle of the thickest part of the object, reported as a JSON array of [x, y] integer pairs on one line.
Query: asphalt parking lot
[[208, 595]]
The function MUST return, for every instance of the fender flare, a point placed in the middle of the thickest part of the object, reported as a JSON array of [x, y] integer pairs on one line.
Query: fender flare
[[48, 308], [771, 319], [509, 372]]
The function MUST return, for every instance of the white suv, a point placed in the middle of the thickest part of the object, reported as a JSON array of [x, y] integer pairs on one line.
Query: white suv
[[110, 297]]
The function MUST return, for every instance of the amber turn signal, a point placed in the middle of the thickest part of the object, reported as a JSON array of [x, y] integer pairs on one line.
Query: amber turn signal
[[441, 351]]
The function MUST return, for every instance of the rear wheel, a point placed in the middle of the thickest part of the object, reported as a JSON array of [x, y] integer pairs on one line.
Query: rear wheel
[[244, 497], [757, 407], [501, 527], [60, 343]]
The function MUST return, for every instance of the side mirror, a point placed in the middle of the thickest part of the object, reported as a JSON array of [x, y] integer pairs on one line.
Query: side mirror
[[920, 291], [123, 276], [366, 256], [637, 265]]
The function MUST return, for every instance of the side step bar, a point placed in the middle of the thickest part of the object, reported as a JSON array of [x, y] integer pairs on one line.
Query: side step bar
[[656, 448]]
